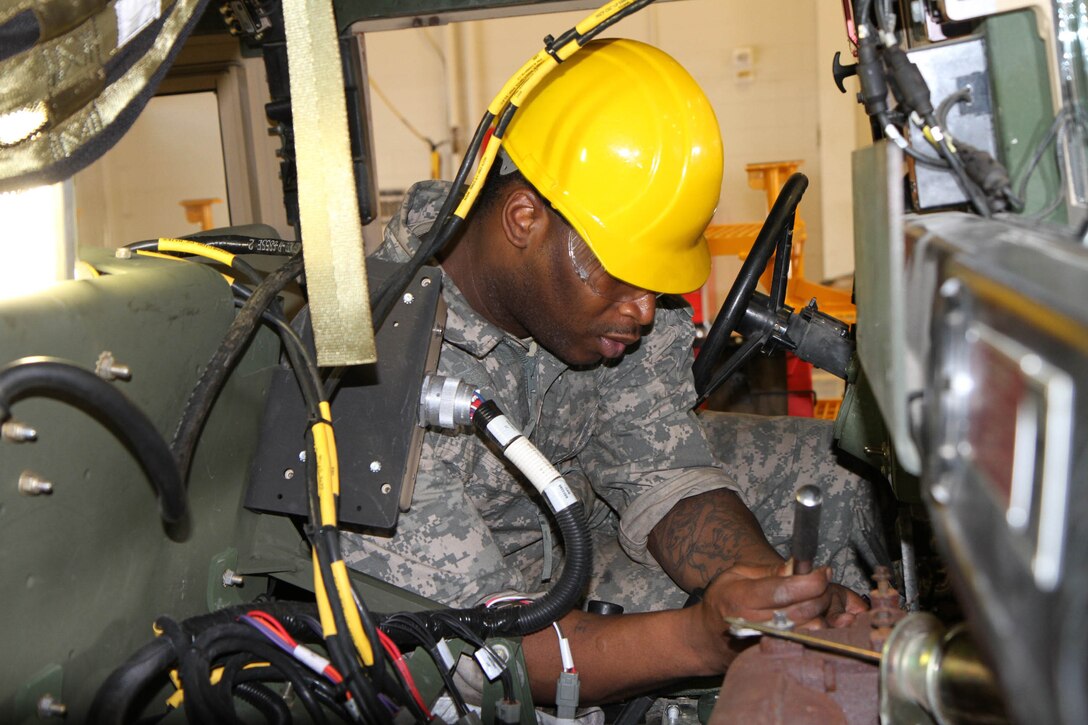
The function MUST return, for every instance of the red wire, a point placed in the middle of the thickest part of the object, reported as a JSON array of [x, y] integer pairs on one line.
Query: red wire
[[398, 660], [274, 624]]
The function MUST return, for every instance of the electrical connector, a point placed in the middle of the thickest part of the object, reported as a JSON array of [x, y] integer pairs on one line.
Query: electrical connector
[[507, 712], [566, 695], [908, 83]]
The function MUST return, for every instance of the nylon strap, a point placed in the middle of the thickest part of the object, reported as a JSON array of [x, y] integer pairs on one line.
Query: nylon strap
[[328, 211]]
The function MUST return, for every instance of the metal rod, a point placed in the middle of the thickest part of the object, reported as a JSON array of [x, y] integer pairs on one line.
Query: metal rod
[[806, 528], [735, 623]]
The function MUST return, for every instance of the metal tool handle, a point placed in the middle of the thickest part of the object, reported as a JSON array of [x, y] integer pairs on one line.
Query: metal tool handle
[[806, 528]]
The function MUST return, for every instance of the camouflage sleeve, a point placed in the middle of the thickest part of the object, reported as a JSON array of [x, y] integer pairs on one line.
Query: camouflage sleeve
[[443, 549], [650, 450]]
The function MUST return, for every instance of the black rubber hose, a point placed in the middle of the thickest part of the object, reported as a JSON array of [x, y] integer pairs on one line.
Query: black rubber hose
[[529, 618], [733, 308], [67, 382], [265, 701], [223, 361], [116, 699]]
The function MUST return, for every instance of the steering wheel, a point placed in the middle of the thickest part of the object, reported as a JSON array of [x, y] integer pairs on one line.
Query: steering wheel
[[775, 238]]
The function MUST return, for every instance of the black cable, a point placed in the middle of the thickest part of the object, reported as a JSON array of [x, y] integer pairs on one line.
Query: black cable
[[69, 383], [211, 380], [594, 32], [298, 356], [116, 699], [228, 639], [239, 265], [233, 243], [265, 701], [412, 631]]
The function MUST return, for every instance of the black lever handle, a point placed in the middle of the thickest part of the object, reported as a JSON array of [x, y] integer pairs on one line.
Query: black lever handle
[[842, 72]]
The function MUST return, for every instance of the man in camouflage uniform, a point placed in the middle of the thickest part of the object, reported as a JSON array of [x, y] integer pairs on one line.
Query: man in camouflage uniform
[[613, 413]]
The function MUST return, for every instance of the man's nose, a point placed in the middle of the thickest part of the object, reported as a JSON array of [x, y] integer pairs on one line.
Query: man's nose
[[641, 308]]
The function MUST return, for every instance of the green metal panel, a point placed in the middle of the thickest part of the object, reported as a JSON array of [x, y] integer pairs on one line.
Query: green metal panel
[[1023, 103], [86, 569]]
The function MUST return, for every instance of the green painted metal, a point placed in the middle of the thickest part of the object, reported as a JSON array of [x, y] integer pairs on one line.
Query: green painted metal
[[1023, 104], [87, 569]]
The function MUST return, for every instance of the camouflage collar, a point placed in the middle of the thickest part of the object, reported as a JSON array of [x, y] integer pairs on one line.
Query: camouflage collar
[[465, 327]]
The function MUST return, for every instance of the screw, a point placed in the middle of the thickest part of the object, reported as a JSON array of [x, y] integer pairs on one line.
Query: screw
[[231, 579], [672, 713], [16, 432], [49, 706], [386, 489], [108, 368], [425, 282], [302, 456], [123, 253], [375, 466], [288, 473], [31, 484], [779, 620], [408, 298]]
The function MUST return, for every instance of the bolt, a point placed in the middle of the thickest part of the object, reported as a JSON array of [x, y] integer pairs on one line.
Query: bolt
[[16, 432], [779, 620], [425, 282], [386, 489], [288, 474], [375, 466], [108, 368], [408, 298], [31, 484], [302, 456], [950, 287], [940, 493], [672, 713], [123, 253], [231, 579], [501, 651], [49, 706]]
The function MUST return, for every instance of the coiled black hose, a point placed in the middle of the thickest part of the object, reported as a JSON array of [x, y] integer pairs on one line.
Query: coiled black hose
[[529, 618], [67, 382], [265, 701]]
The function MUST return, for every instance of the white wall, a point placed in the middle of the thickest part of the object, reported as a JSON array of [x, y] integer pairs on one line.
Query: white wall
[[172, 152], [789, 110]]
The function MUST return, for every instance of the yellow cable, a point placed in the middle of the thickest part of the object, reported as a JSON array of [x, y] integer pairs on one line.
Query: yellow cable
[[482, 170], [178, 697], [521, 84], [351, 612], [324, 609], [330, 447], [160, 255], [203, 250]]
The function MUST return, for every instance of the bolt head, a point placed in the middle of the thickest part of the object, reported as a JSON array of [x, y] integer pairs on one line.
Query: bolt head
[[123, 253], [408, 298], [375, 466]]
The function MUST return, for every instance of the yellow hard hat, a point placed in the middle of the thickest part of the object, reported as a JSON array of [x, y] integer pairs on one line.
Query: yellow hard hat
[[621, 140]]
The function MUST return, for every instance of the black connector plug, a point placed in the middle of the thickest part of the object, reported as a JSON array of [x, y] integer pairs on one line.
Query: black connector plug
[[911, 88], [874, 87]]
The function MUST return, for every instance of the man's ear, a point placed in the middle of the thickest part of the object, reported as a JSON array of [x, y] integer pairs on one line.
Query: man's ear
[[524, 218]]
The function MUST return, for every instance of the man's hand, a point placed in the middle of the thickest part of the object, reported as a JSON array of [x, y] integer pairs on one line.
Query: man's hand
[[757, 592]]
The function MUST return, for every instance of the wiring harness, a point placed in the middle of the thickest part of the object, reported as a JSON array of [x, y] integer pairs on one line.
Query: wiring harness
[[884, 65]]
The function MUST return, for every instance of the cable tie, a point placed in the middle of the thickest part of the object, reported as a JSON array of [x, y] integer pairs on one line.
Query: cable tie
[[319, 420]]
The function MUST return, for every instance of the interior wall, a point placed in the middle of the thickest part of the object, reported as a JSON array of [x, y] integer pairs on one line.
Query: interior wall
[[783, 105], [172, 152]]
